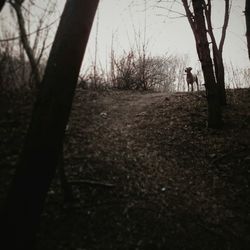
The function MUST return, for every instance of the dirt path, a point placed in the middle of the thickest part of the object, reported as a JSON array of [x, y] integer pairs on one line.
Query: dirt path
[[123, 109], [114, 134]]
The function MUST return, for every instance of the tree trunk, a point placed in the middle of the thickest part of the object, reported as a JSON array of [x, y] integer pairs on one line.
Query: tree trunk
[[217, 50], [37, 166], [214, 109], [247, 13], [220, 76], [2, 2]]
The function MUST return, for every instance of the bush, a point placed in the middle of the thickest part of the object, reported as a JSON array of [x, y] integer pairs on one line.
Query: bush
[[133, 72]]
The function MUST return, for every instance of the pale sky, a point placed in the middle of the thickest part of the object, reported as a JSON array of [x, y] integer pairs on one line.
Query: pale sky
[[125, 18], [166, 32]]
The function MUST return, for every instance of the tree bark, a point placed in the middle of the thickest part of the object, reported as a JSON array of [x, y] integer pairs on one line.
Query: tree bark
[[39, 159], [247, 14]]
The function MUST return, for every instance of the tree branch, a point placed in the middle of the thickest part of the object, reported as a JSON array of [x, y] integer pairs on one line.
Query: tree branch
[[225, 24], [30, 34], [207, 9], [189, 14], [171, 10], [247, 16]]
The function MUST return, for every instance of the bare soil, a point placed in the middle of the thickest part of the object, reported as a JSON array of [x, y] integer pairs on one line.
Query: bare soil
[[146, 172]]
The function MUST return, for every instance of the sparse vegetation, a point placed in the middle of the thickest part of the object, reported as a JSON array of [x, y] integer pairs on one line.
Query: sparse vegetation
[[146, 172], [135, 160], [154, 73]]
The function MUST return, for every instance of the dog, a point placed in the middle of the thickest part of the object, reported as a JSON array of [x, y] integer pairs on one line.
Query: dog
[[191, 78]]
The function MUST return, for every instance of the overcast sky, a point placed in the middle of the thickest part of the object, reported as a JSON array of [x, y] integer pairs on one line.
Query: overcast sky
[[166, 32]]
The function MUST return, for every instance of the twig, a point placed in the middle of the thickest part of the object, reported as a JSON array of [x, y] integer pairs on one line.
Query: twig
[[92, 183], [29, 34]]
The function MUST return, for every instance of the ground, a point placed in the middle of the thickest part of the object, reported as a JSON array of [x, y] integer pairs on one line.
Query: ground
[[146, 172]]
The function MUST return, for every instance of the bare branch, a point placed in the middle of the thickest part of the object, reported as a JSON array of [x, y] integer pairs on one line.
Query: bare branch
[[30, 34], [207, 9], [225, 24], [189, 14], [171, 10]]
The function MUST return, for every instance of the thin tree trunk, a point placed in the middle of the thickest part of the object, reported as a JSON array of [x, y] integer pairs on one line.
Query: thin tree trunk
[[247, 13], [39, 159], [220, 76], [214, 110], [2, 2], [217, 51], [198, 25], [219, 58], [24, 39]]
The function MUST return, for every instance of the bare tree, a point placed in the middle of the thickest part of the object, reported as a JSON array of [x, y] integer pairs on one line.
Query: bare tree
[[17, 5], [41, 152], [247, 14], [32, 44], [198, 24], [217, 50]]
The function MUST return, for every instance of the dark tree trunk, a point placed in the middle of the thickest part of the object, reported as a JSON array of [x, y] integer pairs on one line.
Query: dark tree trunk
[[247, 13], [217, 50], [198, 25], [220, 76], [2, 2], [37, 167], [214, 109]]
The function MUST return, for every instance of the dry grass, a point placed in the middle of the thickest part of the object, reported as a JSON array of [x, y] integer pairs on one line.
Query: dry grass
[[175, 183]]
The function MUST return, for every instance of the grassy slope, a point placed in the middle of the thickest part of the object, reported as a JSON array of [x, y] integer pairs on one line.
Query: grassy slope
[[175, 184]]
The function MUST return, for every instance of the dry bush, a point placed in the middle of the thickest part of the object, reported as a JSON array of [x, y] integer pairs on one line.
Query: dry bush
[[237, 77], [159, 73], [125, 75], [14, 70]]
